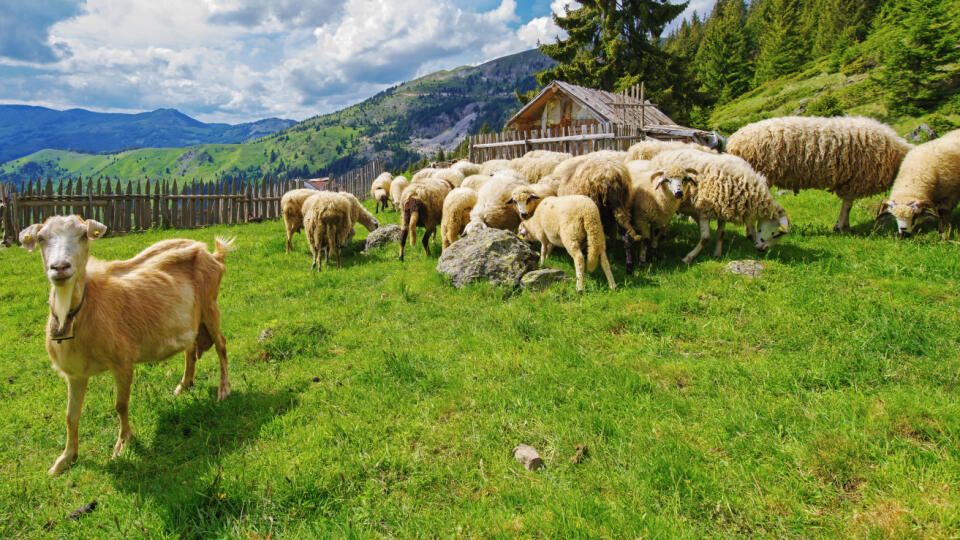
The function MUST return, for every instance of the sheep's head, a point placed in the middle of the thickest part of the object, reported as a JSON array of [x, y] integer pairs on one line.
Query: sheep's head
[[474, 227], [64, 244], [908, 215], [525, 200], [674, 179], [769, 230]]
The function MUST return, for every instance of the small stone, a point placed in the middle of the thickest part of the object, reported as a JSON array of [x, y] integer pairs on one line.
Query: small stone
[[921, 134], [316, 379], [528, 457], [87, 508], [747, 267], [383, 235], [541, 279], [265, 335], [580, 453]]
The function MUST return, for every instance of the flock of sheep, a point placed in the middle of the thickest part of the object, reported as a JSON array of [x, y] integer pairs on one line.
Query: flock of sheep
[[109, 316], [556, 199]]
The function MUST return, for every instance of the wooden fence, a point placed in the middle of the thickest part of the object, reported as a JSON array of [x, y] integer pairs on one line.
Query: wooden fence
[[358, 181]]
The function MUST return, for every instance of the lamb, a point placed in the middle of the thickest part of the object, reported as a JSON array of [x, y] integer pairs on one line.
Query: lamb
[[851, 157], [399, 184], [290, 206], [326, 220], [380, 190], [110, 315], [456, 214], [928, 183], [475, 181], [422, 204], [725, 188], [492, 209], [466, 168], [603, 177], [654, 199], [649, 148], [572, 221]]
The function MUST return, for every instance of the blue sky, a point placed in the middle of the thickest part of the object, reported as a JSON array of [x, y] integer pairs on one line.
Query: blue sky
[[242, 60]]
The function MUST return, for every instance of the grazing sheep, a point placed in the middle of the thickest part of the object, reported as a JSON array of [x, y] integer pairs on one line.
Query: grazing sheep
[[466, 168], [326, 221], [572, 222], [399, 184], [494, 165], [380, 191], [654, 199], [604, 177], [110, 315], [357, 214], [422, 204], [649, 148], [850, 157], [456, 214], [727, 189], [475, 181], [290, 206], [928, 183], [492, 209]]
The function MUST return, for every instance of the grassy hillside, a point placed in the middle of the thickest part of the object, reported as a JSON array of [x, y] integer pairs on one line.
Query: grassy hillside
[[435, 110], [819, 400]]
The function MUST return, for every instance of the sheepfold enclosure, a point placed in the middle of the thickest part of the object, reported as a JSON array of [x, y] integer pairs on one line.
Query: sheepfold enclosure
[[137, 206]]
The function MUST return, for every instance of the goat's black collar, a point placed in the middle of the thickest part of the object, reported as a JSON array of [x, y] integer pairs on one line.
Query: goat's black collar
[[59, 333]]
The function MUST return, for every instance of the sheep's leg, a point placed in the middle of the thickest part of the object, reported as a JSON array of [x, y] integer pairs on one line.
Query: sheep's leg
[[751, 231], [124, 378], [426, 240], [843, 221], [605, 264], [211, 321], [627, 248], [578, 265], [644, 242], [943, 224], [549, 248], [718, 250], [289, 234], [403, 242], [704, 238], [543, 253], [189, 369], [76, 390]]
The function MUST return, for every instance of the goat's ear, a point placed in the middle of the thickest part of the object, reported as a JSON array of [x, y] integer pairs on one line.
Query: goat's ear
[[95, 229], [28, 237]]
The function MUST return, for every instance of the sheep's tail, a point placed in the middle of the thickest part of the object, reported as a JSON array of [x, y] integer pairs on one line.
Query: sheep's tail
[[223, 246], [414, 217], [596, 241]]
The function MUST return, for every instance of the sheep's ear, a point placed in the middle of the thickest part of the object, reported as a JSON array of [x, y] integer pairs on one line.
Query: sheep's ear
[[784, 227], [660, 182], [884, 210], [687, 179], [95, 229], [692, 172], [28, 237], [511, 201], [534, 196], [657, 174]]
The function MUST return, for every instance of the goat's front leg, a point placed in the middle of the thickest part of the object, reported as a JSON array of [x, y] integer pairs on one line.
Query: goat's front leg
[[718, 250], [704, 238], [76, 390], [124, 378], [189, 370]]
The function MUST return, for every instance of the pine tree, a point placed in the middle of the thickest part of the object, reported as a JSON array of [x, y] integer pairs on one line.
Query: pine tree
[[920, 40], [722, 60], [781, 49]]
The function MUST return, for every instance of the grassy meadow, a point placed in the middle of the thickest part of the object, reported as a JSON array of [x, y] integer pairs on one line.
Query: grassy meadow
[[819, 400]]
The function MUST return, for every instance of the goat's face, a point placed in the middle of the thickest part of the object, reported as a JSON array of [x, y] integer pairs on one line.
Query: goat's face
[[674, 180], [525, 202], [64, 244], [769, 231], [907, 215]]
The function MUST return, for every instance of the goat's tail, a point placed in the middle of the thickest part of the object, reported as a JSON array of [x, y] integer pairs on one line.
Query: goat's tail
[[223, 246]]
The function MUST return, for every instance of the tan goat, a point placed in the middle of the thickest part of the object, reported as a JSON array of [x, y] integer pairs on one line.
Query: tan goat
[[108, 316]]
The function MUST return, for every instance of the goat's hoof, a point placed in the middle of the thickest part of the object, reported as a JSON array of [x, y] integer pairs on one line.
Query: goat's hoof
[[61, 464], [223, 392], [181, 388]]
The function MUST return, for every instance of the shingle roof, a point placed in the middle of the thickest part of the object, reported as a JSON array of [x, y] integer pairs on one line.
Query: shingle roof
[[600, 105]]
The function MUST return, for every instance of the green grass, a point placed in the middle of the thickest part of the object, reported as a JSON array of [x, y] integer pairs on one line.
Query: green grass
[[819, 400]]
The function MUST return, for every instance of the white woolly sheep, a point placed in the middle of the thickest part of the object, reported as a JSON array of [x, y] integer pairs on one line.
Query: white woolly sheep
[[475, 181], [399, 184], [422, 204], [492, 209], [326, 222], [466, 168], [290, 207], [535, 167], [727, 189], [649, 148], [538, 154], [111, 315], [380, 191], [572, 222], [358, 214], [453, 176], [456, 214], [851, 157], [928, 183], [422, 173], [654, 199], [604, 177]]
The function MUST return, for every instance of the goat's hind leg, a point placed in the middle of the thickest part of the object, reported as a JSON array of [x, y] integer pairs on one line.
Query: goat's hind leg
[[211, 320], [124, 378]]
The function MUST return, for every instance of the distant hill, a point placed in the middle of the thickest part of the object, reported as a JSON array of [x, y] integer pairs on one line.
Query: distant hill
[[26, 129], [399, 124]]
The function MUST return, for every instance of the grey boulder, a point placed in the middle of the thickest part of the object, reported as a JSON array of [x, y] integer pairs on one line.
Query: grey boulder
[[491, 255]]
